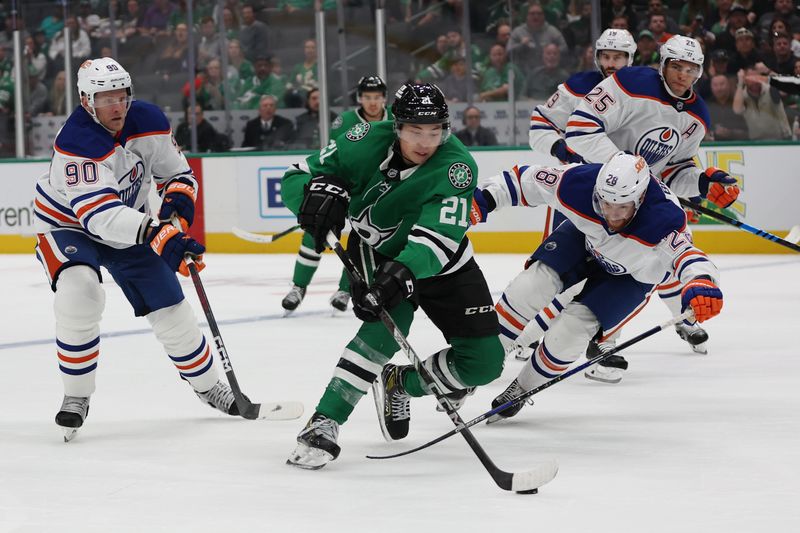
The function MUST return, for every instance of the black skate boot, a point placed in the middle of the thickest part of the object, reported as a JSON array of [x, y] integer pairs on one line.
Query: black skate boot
[[694, 335], [396, 403], [608, 370], [221, 398], [74, 410], [339, 300], [293, 299], [511, 392], [316, 444]]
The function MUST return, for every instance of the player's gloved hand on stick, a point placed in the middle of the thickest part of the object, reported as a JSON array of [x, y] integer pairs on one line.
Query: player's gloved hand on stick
[[703, 296], [483, 203], [324, 209], [178, 201], [718, 186], [393, 283], [174, 245], [564, 153]]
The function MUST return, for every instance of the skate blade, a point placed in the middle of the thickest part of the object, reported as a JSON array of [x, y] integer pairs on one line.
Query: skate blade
[[701, 348], [494, 419], [280, 411], [601, 379], [309, 458], [377, 396], [69, 433], [287, 312]]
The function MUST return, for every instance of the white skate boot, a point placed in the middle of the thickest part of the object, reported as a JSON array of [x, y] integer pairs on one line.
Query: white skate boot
[[316, 444], [74, 410], [339, 300], [512, 391], [221, 398], [608, 370], [293, 299]]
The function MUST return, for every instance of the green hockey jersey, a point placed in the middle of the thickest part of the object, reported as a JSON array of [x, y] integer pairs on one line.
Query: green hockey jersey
[[348, 119], [418, 215]]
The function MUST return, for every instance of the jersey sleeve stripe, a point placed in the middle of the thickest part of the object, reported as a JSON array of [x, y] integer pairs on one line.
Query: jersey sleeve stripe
[[684, 256], [518, 173], [447, 246], [53, 203], [97, 203], [100, 209], [148, 134], [53, 213], [512, 188], [84, 197], [580, 124]]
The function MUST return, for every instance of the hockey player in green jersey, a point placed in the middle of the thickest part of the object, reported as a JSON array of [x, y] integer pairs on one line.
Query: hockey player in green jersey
[[371, 97], [371, 94], [406, 188]]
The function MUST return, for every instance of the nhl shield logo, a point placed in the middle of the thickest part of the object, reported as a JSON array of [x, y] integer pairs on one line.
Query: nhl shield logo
[[657, 144], [357, 132], [460, 175]]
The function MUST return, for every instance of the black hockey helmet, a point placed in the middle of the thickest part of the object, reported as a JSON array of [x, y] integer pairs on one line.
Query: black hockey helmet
[[421, 103], [370, 84]]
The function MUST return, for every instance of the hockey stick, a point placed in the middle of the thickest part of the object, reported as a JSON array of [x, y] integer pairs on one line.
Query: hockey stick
[[247, 409], [536, 390], [525, 482], [794, 235], [733, 222], [262, 239]]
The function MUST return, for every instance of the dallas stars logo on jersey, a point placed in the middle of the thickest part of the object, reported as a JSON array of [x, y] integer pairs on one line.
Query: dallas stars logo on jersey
[[357, 132], [460, 175]]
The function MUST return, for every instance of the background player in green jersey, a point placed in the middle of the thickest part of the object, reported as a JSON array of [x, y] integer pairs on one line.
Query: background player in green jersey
[[371, 95], [406, 187]]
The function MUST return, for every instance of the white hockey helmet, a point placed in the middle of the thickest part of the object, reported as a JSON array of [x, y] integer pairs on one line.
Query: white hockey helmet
[[103, 74], [611, 39], [623, 179], [681, 48]]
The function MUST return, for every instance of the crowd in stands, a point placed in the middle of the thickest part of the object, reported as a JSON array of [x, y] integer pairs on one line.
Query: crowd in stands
[[267, 60]]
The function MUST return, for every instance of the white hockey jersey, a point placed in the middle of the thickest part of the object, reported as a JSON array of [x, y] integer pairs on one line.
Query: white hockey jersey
[[98, 183], [655, 244], [631, 110], [549, 120]]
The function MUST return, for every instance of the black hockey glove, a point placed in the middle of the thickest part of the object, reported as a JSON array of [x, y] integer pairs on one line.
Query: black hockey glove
[[324, 209], [564, 153], [393, 283]]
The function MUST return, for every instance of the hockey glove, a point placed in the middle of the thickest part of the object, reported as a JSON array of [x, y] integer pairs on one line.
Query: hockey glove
[[173, 245], [483, 203], [564, 153], [692, 216], [718, 187], [393, 283], [178, 200], [324, 209], [703, 296]]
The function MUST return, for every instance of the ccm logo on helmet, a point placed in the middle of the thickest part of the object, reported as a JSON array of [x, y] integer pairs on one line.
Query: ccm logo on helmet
[[478, 310]]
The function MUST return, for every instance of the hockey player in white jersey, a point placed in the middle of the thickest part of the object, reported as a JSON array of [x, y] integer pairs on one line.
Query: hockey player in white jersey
[[659, 116], [625, 234], [614, 49], [91, 211]]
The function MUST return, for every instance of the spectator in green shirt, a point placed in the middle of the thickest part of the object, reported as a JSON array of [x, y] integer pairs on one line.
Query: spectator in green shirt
[[494, 83]]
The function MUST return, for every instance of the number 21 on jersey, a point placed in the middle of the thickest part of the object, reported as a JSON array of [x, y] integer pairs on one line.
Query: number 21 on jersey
[[455, 211]]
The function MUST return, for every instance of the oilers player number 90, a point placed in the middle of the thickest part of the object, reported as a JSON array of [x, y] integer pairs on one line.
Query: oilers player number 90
[[74, 174]]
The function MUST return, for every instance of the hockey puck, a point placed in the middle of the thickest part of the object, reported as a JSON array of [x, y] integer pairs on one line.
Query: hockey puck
[[532, 491]]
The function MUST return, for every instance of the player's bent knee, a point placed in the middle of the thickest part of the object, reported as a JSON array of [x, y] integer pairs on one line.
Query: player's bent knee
[[176, 326], [479, 360], [79, 299]]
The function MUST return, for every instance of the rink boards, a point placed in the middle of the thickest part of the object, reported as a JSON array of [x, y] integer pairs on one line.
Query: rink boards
[[244, 190]]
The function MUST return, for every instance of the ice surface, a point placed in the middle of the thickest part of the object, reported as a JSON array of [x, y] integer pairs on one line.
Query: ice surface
[[684, 443]]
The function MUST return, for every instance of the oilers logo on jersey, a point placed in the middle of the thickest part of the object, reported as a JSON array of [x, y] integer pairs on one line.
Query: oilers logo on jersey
[[612, 267], [134, 176], [657, 144]]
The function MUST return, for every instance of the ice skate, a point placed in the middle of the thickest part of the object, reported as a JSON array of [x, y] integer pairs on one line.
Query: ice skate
[[511, 392], [339, 300], [316, 444], [457, 399], [396, 404], [695, 336], [523, 353], [221, 398], [70, 417], [293, 299], [609, 370]]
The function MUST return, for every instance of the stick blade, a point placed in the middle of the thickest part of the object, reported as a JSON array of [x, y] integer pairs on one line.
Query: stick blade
[[541, 474], [252, 237], [280, 411], [794, 235]]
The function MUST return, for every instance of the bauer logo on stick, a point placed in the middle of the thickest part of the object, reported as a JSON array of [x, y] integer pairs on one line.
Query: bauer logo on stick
[[357, 132], [460, 175]]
